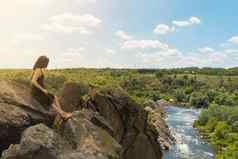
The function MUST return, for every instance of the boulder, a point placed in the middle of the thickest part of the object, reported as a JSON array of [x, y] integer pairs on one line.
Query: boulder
[[164, 103], [17, 112], [71, 97], [13, 121], [78, 138], [37, 142], [89, 140], [108, 124], [129, 122]]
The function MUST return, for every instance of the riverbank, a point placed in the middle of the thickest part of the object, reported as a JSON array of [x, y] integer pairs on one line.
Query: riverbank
[[189, 143], [218, 124], [157, 117]]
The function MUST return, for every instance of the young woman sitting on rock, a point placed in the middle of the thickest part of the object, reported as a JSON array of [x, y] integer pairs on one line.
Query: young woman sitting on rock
[[40, 93]]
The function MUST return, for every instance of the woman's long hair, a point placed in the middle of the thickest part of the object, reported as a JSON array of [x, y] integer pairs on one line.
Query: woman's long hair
[[41, 62]]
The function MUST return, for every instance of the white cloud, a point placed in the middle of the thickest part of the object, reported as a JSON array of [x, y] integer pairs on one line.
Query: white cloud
[[187, 23], [164, 58], [48, 2], [27, 37], [160, 55], [234, 40], [73, 52], [231, 51], [206, 49], [152, 53], [209, 57], [144, 44], [20, 58], [110, 51], [195, 20], [23, 39], [33, 2], [86, 1], [163, 29], [68, 23], [123, 35], [68, 57], [175, 58]]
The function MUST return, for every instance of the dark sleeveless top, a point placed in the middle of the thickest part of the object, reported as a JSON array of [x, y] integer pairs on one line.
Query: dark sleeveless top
[[45, 100]]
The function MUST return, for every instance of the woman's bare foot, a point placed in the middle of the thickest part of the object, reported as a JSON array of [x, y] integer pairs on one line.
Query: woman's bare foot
[[66, 116]]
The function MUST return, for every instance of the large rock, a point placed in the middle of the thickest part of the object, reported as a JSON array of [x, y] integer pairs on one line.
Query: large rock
[[129, 123], [156, 118], [13, 121], [17, 112], [108, 125], [78, 138], [37, 142], [71, 97], [89, 137], [163, 103]]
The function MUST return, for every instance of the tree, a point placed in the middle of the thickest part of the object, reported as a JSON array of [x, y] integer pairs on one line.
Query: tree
[[180, 96], [199, 100]]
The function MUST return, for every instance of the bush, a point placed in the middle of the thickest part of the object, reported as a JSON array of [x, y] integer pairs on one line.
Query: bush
[[159, 75], [220, 123], [180, 96], [211, 124], [188, 90], [211, 95], [203, 118], [224, 99], [231, 152], [221, 131], [198, 100]]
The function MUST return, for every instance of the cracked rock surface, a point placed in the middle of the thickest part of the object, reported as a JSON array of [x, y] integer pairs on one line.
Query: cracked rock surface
[[106, 125]]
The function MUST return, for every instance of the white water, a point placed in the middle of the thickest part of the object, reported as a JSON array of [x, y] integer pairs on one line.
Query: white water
[[189, 145]]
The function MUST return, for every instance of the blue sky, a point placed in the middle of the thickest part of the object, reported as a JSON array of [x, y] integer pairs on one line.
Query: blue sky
[[121, 34], [218, 19]]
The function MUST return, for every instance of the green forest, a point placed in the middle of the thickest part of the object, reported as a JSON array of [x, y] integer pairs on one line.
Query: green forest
[[213, 90]]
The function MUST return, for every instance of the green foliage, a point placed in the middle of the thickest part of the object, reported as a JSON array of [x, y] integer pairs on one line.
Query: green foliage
[[224, 99], [231, 152], [199, 100], [211, 125], [190, 86], [220, 124], [203, 118], [180, 96], [159, 75], [215, 90], [221, 131], [211, 94]]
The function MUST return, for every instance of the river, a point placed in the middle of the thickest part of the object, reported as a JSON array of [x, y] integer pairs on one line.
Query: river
[[189, 144]]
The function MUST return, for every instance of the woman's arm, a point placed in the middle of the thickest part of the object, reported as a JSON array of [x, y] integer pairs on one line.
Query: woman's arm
[[34, 82]]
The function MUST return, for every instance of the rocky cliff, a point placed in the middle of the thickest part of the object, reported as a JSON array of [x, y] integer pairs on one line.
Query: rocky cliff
[[107, 124]]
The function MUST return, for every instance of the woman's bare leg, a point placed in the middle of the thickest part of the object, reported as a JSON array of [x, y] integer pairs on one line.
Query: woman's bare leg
[[58, 108]]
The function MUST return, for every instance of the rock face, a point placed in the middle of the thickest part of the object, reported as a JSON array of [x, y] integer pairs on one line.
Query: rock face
[[71, 98], [107, 125], [129, 122], [17, 112], [163, 103], [157, 120], [38, 141], [86, 133], [78, 139]]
